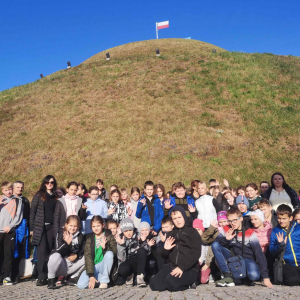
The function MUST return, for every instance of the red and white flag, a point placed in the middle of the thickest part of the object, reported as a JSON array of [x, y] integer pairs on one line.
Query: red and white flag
[[162, 25]]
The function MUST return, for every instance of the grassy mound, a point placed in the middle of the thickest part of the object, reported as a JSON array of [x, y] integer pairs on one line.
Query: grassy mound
[[188, 114]]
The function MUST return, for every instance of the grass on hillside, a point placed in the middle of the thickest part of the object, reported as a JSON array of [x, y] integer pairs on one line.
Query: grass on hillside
[[188, 114]]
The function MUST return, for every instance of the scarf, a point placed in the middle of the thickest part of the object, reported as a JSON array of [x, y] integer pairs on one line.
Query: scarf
[[11, 205], [71, 203]]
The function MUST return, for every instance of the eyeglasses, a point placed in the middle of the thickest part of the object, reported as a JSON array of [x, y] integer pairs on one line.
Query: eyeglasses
[[233, 221], [49, 182]]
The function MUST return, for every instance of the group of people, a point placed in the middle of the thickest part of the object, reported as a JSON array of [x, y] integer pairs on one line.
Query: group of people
[[171, 240]]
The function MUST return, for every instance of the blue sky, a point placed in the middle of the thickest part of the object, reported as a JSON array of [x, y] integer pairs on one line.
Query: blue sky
[[41, 36]]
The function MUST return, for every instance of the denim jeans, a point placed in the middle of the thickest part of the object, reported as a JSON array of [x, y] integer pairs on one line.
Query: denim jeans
[[101, 271], [222, 254]]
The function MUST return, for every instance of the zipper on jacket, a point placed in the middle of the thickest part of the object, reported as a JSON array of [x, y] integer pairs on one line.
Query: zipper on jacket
[[177, 246]]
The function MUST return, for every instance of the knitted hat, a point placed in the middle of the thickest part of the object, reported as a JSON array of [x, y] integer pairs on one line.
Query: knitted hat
[[242, 199], [198, 224], [126, 224], [259, 214], [221, 215], [144, 225]]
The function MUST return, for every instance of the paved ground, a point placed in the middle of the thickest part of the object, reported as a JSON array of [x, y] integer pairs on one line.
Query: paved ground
[[28, 290]]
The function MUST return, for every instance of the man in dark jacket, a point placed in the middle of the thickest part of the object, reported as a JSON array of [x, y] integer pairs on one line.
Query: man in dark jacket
[[183, 248]]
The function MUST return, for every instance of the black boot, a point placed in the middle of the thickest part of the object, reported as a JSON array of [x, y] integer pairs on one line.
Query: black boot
[[52, 283]]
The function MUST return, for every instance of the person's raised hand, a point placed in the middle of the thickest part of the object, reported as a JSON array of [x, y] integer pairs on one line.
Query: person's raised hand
[[143, 236], [177, 272], [280, 237], [169, 243], [84, 206], [129, 211], [143, 201], [230, 234], [111, 211], [167, 204], [67, 236], [103, 242], [226, 183], [151, 242], [119, 240], [1, 199], [191, 208], [214, 223], [162, 236]]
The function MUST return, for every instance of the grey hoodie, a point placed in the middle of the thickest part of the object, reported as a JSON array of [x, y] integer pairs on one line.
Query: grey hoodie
[[6, 218]]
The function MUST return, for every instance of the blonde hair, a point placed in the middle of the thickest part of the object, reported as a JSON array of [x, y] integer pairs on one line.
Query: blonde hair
[[6, 185]]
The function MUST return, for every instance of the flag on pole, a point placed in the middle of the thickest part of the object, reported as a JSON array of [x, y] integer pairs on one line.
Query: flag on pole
[[162, 25]]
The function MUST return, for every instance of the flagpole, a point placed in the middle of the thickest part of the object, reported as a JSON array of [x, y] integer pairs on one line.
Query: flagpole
[[156, 31]]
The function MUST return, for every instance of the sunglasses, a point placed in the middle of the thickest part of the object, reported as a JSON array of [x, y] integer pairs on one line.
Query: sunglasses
[[49, 182]]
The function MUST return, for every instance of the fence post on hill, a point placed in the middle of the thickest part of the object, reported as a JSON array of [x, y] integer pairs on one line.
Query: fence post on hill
[[156, 30]]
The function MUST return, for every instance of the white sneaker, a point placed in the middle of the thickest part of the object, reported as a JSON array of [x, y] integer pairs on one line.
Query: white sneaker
[[129, 280], [140, 282]]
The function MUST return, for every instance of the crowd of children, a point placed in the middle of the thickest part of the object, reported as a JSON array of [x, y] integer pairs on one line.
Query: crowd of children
[[94, 238]]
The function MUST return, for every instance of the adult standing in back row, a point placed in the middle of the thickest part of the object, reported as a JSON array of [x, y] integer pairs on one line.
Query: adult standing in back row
[[41, 223], [281, 193]]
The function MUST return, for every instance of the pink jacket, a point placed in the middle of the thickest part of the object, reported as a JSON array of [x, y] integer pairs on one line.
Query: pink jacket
[[264, 235]]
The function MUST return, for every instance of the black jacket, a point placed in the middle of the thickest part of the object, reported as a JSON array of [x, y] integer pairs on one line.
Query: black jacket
[[26, 209], [64, 249], [292, 194], [187, 251], [37, 218], [60, 214]]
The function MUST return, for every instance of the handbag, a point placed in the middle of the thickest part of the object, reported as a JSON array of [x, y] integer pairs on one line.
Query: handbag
[[236, 263], [278, 265]]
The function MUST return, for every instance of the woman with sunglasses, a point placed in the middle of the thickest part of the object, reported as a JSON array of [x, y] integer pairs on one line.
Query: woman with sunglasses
[[41, 225]]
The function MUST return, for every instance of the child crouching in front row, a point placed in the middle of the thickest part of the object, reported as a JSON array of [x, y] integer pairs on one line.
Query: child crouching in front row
[[132, 254], [99, 252], [67, 258]]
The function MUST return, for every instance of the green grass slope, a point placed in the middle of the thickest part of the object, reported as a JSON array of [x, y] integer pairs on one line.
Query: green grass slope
[[188, 114]]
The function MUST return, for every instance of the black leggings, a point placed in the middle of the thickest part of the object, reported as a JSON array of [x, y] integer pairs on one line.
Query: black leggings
[[7, 243], [163, 280], [136, 264], [291, 275], [44, 250]]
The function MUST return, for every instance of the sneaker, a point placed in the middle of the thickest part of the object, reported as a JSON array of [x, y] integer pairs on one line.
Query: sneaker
[[16, 280], [60, 281], [211, 279], [7, 281], [248, 282], [72, 281], [51, 284], [97, 284], [129, 280], [41, 282], [140, 282], [103, 286], [226, 281]]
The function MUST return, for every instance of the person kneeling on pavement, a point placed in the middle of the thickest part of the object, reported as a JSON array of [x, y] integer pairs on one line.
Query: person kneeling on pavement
[[183, 248], [238, 242]]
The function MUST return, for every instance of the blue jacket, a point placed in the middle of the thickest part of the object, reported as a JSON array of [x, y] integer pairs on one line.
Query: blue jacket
[[22, 234], [142, 213], [189, 199], [292, 250], [94, 208]]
